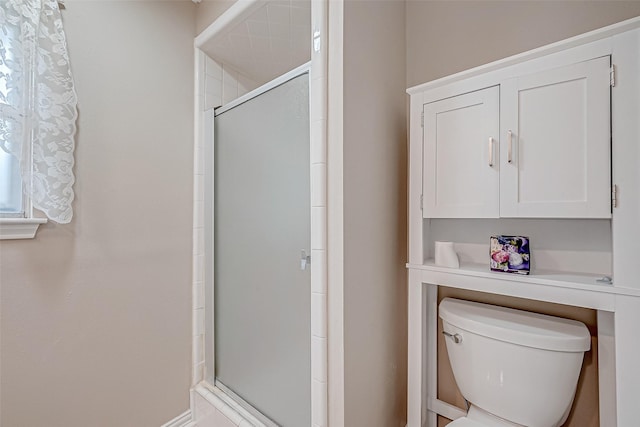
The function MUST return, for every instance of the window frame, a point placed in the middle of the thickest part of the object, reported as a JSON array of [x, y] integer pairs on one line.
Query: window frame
[[25, 201], [21, 225], [24, 224]]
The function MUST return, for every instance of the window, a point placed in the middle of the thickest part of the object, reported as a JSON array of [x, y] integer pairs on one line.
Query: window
[[38, 112], [10, 179], [10, 186]]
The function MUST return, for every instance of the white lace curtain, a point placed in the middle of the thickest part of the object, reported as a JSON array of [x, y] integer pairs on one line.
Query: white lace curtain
[[38, 103]]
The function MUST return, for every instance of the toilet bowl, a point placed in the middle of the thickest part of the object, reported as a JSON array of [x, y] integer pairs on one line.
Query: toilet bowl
[[514, 367]]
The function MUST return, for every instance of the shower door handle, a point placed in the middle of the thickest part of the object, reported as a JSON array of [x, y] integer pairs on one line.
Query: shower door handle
[[304, 260]]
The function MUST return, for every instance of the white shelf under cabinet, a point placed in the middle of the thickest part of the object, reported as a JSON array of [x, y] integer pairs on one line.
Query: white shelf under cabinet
[[559, 287]]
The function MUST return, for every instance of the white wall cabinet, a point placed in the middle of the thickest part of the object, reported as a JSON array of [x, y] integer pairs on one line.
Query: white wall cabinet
[[461, 169], [566, 136], [537, 145], [556, 143]]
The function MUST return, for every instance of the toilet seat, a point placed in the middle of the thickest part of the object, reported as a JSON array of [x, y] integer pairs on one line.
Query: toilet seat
[[465, 422]]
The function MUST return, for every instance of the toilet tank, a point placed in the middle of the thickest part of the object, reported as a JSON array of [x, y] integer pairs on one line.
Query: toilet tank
[[517, 365]]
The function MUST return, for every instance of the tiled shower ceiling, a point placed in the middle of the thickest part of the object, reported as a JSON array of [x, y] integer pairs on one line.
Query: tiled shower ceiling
[[273, 40]]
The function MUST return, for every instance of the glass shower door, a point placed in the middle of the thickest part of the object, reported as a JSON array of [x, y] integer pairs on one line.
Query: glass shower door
[[261, 226]]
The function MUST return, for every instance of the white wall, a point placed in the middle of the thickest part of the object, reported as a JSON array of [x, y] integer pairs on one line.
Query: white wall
[[96, 315]]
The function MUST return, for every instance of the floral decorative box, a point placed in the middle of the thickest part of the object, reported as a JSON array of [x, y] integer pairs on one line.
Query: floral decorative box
[[510, 254]]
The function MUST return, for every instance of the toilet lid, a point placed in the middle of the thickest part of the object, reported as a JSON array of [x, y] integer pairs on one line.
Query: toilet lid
[[465, 422], [516, 326]]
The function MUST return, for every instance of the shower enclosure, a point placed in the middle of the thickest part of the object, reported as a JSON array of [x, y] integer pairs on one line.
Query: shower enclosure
[[260, 244]]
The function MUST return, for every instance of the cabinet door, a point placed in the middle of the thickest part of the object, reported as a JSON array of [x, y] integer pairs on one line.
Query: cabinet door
[[460, 166], [556, 151]]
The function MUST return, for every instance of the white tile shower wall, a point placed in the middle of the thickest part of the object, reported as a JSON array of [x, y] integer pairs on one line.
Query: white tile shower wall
[[245, 84], [219, 84], [318, 149], [229, 85], [203, 413], [211, 411], [319, 403], [197, 356], [223, 84], [213, 83]]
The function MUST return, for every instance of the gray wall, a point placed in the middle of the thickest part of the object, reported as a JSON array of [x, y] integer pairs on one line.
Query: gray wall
[[444, 37], [96, 315], [374, 214]]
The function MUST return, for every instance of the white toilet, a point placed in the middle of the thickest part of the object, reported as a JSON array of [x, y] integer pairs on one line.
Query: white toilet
[[515, 368]]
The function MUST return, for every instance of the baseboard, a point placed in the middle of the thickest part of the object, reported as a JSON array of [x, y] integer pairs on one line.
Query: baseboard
[[182, 420]]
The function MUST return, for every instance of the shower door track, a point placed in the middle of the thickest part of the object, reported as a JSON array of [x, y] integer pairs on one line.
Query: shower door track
[[245, 405], [296, 72]]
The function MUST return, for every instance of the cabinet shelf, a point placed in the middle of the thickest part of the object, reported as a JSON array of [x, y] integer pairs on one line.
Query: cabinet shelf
[[544, 277], [577, 289]]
